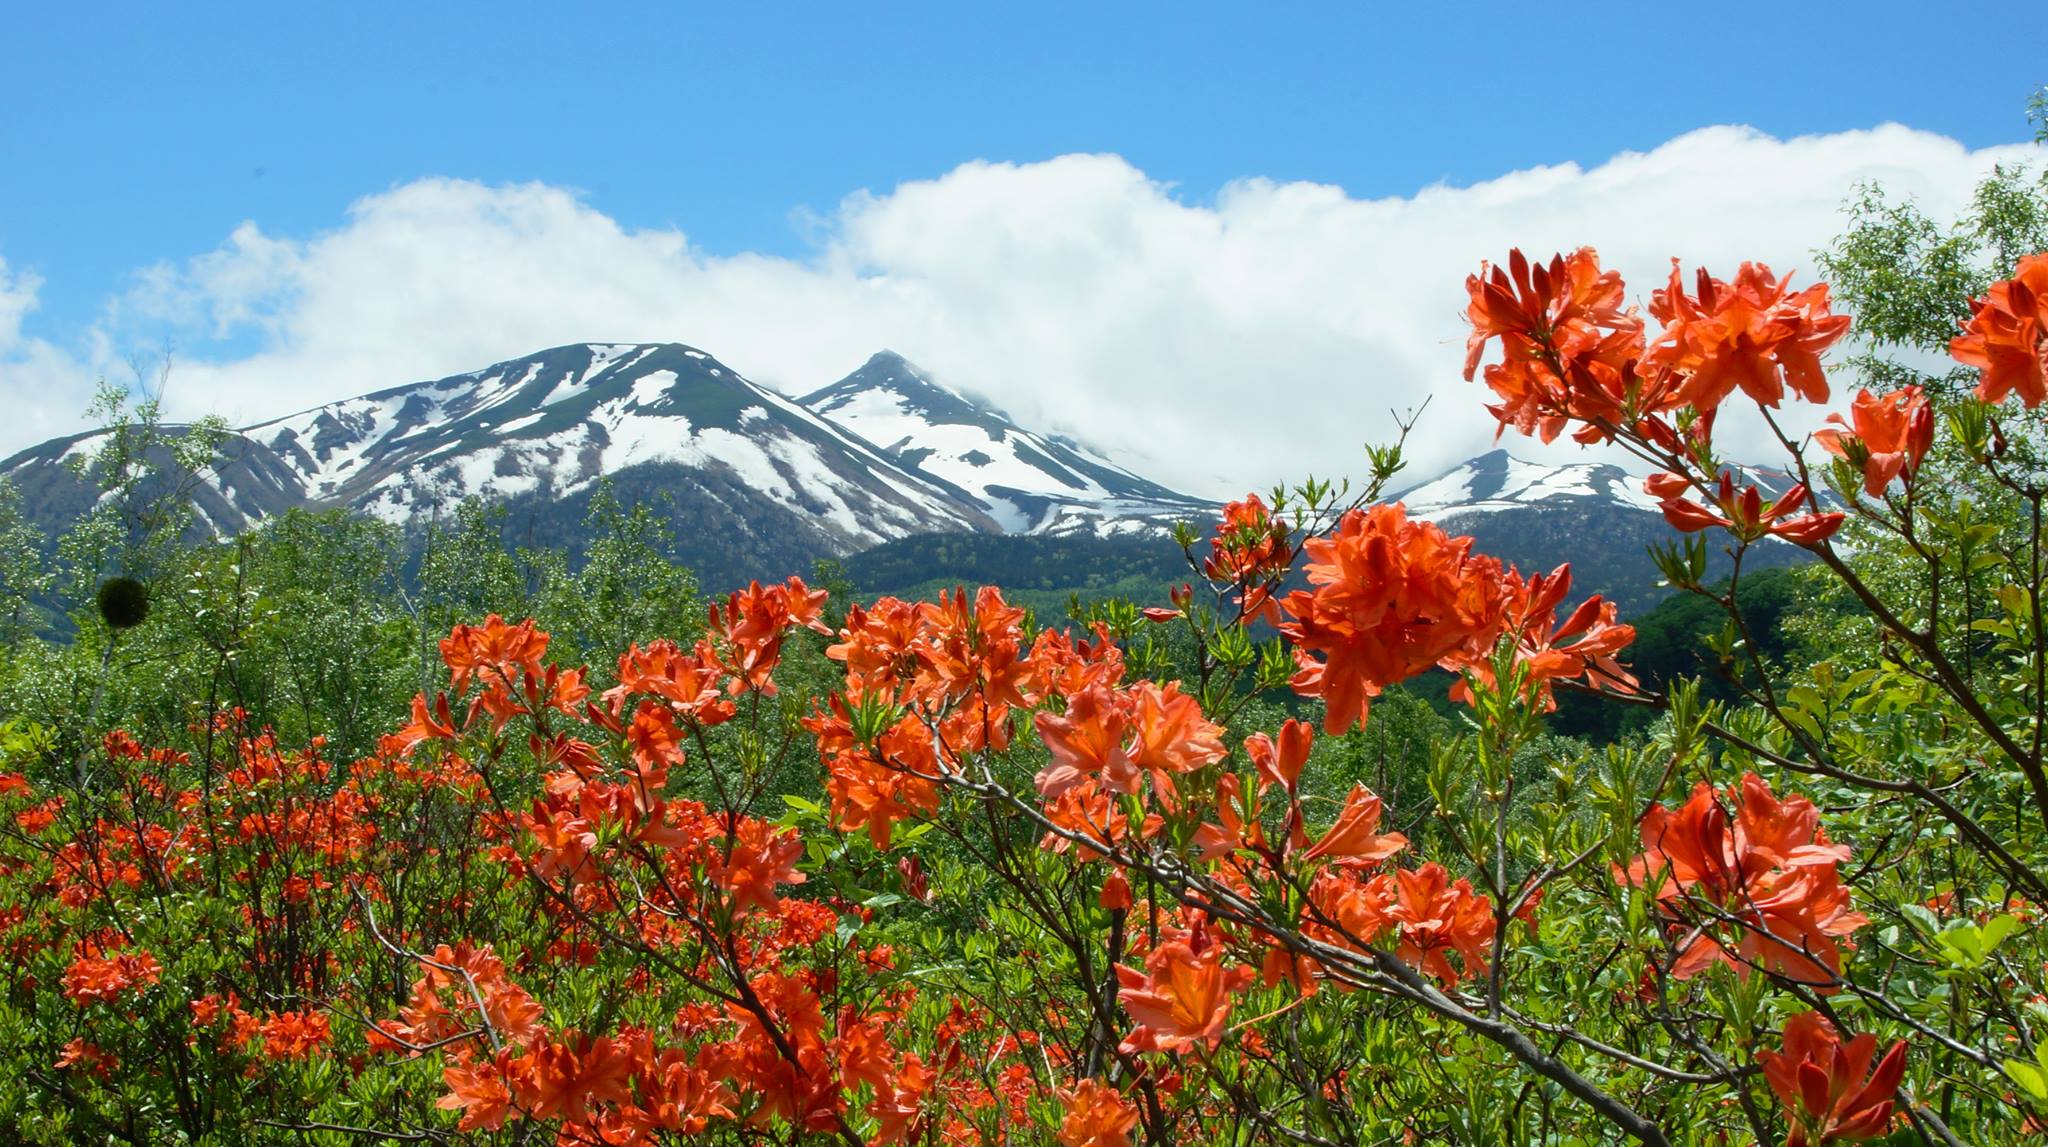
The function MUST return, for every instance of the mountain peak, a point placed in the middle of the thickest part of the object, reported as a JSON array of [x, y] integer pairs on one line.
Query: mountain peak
[[1030, 483], [891, 378]]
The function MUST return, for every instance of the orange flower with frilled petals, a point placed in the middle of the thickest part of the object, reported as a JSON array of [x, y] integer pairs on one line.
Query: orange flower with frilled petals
[[1829, 1090], [687, 681], [478, 1089], [1249, 549], [1887, 435], [1182, 998], [94, 978], [1089, 741], [1755, 334], [762, 857], [752, 623], [498, 653], [1280, 763], [1391, 598], [1356, 839], [1770, 867], [1569, 346], [1172, 736], [2007, 336], [1436, 917], [295, 1035], [1097, 1116], [1547, 651]]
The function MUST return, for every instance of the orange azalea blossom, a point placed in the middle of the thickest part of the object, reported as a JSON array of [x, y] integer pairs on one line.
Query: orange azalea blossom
[[1092, 814], [479, 1090], [762, 857], [495, 651], [1172, 736], [1773, 870], [1281, 763], [1887, 435], [1743, 513], [1429, 915], [295, 1035], [443, 1000], [1755, 334], [1249, 549], [2006, 338], [1355, 839], [752, 623], [1569, 345], [1583, 646], [899, 1102], [1097, 1116], [93, 978], [1182, 998], [80, 1054], [689, 682], [1436, 917], [1391, 598], [1828, 1089], [1120, 737], [1088, 742]]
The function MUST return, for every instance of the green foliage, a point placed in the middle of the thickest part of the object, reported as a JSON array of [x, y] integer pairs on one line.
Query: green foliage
[[1909, 278]]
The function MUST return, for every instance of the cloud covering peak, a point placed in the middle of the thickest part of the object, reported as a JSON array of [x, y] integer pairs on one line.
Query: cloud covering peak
[[1215, 346]]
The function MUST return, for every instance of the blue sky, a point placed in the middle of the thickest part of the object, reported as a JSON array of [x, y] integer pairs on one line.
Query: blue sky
[[1107, 218], [136, 133]]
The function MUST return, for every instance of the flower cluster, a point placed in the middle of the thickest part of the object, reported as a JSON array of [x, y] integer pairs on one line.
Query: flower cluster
[[1392, 597], [1768, 873]]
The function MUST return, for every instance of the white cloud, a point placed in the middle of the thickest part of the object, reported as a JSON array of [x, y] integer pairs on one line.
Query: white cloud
[[1219, 346], [42, 388]]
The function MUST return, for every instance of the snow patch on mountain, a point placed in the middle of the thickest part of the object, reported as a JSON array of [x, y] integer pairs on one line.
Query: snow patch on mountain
[[1496, 482], [1029, 483]]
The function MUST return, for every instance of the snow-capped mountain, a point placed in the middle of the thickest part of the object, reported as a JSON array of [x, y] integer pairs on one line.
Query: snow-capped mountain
[[755, 483], [1496, 482], [1029, 483]]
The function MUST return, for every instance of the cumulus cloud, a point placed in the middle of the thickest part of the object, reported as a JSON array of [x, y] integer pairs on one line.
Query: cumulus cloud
[[1217, 346], [42, 386]]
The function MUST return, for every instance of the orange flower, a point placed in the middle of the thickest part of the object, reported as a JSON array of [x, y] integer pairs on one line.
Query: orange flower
[[1392, 598], [875, 789], [1355, 838], [1250, 548], [80, 1054], [752, 623], [1437, 917], [1097, 1116], [295, 1035], [1583, 646], [1743, 513], [92, 978], [1888, 435], [1828, 1089], [1569, 345], [497, 652], [1755, 333], [479, 1091], [687, 681], [1172, 736], [1773, 871], [899, 1102], [762, 858], [1087, 742], [1182, 999], [1281, 764], [2007, 335]]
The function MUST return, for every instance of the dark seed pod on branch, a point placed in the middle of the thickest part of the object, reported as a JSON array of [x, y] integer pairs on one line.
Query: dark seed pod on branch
[[123, 602]]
